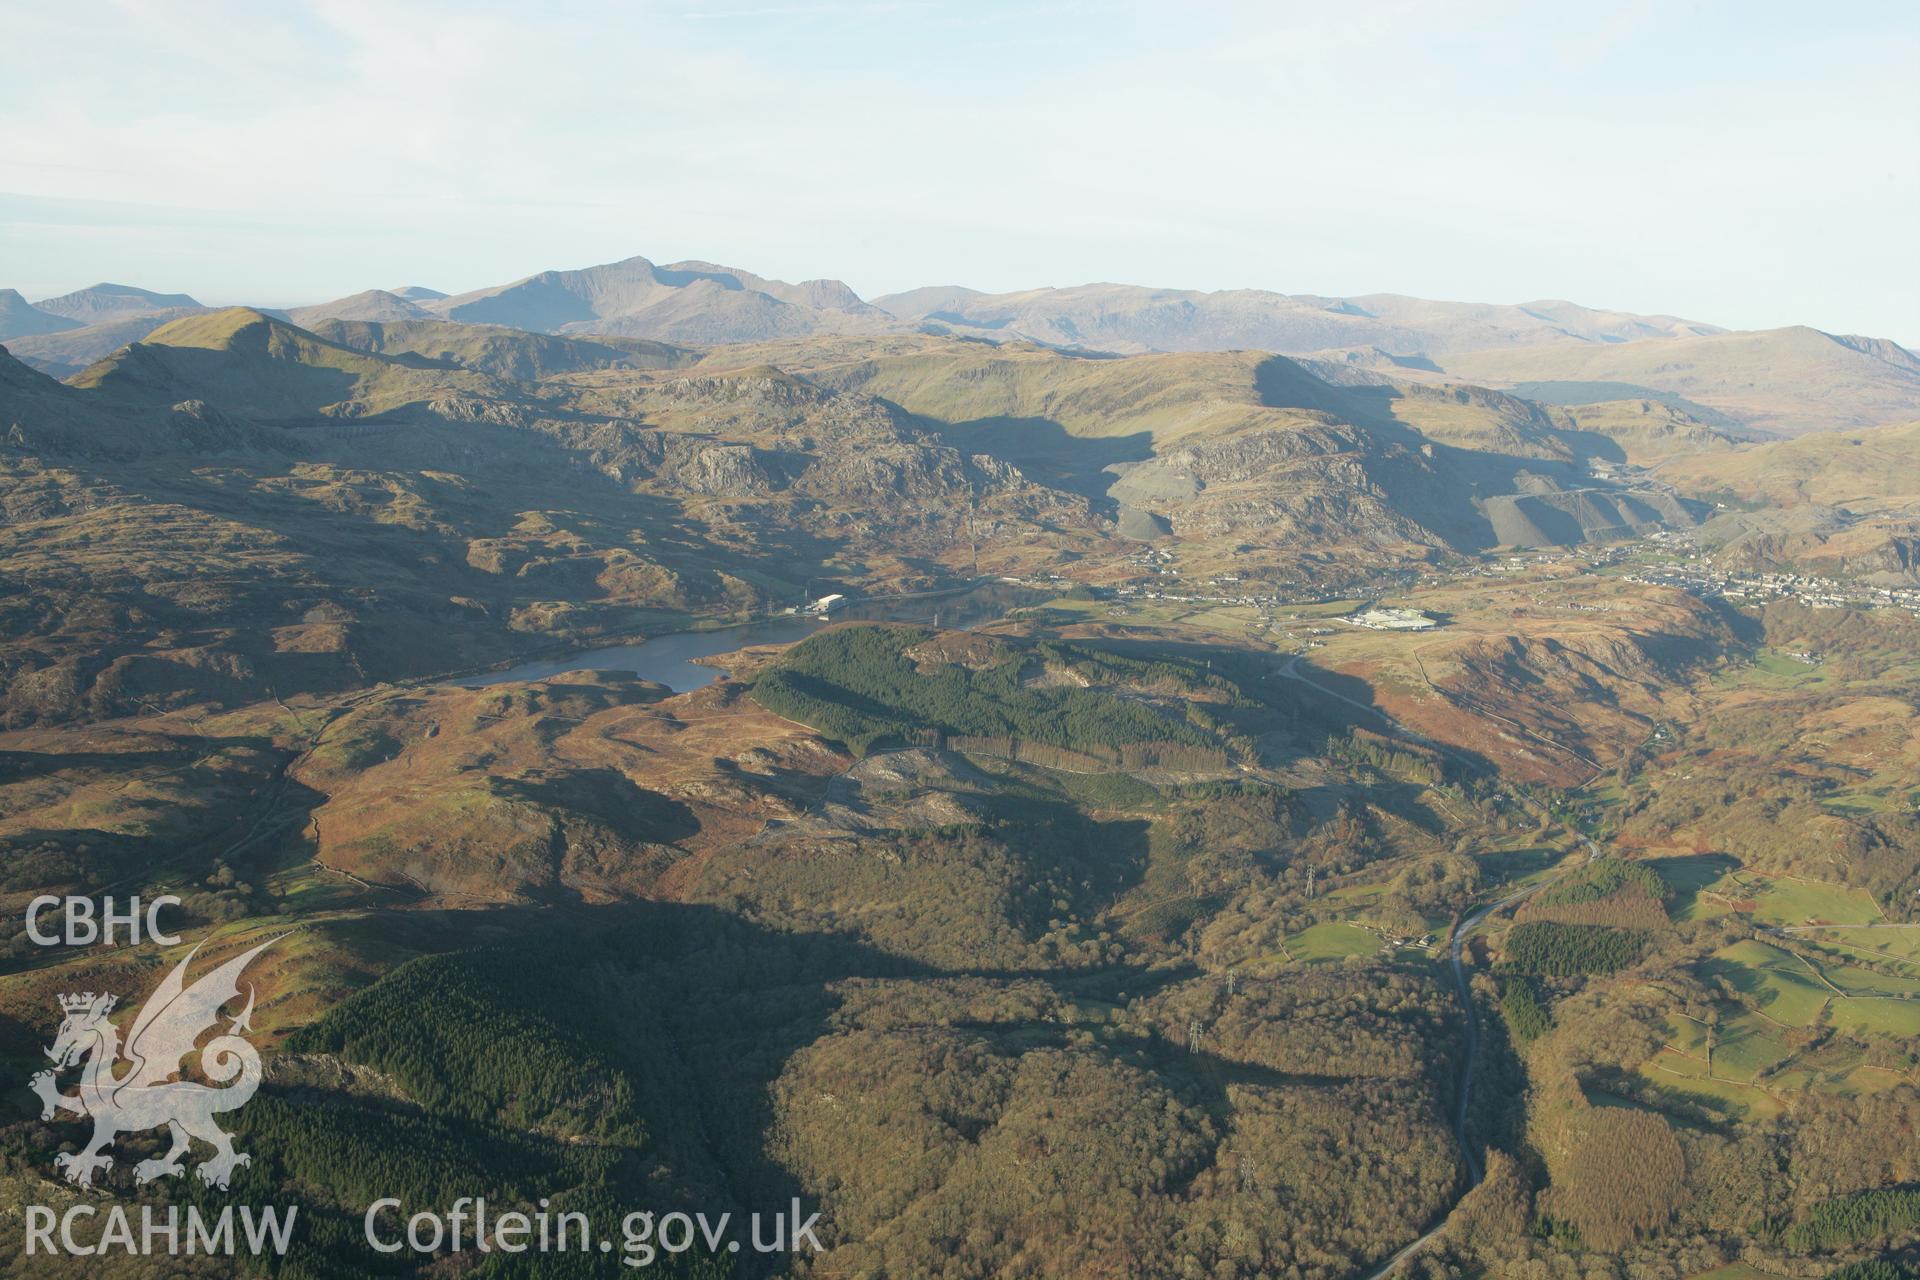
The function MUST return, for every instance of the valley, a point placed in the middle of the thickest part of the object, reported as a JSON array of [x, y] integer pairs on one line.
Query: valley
[[849, 641], [1228, 790]]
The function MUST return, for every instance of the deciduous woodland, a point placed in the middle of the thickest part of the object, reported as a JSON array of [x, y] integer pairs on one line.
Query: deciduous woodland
[[1087, 896]]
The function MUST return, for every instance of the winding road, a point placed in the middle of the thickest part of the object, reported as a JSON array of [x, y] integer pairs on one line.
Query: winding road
[[1456, 953], [1465, 990]]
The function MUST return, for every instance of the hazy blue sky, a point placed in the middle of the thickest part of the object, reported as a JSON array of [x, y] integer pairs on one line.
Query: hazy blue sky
[[1748, 164]]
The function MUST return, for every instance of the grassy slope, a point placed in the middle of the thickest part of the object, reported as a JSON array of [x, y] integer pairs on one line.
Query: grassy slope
[[246, 363], [1787, 380], [1874, 466]]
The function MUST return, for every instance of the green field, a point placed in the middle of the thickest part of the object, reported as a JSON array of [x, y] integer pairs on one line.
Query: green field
[[1848, 1082], [1512, 868], [1745, 1044], [1861, 802], [1789, 989], [1688, 1078], [1775, 663], [1901, 945], [1777, 983], [1812, 902], [1893, 1017], [1689, 877], [1331, 941], [1773, 669], [1709, 885], [1735, 1271], [1748, 1044]]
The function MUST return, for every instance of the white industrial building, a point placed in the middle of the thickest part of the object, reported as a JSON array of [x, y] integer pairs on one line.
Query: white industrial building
[[1393, 619]]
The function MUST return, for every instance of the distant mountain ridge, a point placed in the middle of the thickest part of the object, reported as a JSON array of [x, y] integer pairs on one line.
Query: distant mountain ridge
[[21, 319], [63, 335], [253, 365], [374, 304], [1780, 381], [1133, 318], [65, 352], [680, 302], [103, 303]]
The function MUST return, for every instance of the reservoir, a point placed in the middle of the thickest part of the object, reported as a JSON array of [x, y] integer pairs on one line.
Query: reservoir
[[669, 659]]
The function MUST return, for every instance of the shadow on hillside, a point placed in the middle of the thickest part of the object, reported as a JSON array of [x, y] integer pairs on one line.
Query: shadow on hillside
[[1308, 713], [1485, 472], [1286, 384], [1316, 700], [1350, 701], [237, 380], [255, 823], [1046, 451], [1100, 859], [394, 578], [1691, 875], [1747, 629], [611, 799], [698, 1009], [1590, 446], [22, 1046], [18, 766]]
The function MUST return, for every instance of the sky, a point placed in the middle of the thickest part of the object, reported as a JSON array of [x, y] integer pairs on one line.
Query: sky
[[1745, 164]]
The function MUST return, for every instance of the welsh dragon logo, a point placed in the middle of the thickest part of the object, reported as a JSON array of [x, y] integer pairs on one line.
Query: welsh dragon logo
[[144, 1095]]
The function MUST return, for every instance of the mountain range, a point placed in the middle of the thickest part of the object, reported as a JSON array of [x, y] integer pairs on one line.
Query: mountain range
[[499, 488], [1778, 381], [1770, 382], [1121, 317], [1128, 891]]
